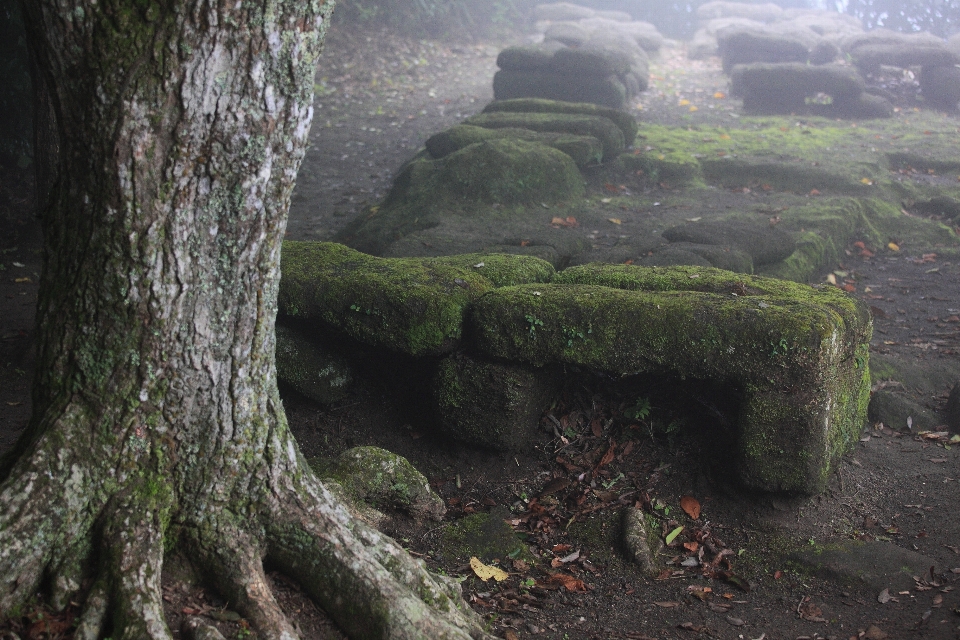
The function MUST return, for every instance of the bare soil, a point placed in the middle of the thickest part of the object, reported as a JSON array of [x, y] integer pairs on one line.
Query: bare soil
[[379, 97]]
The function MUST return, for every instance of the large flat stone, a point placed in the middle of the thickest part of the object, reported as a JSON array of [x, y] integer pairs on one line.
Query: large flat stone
[[798, 355]]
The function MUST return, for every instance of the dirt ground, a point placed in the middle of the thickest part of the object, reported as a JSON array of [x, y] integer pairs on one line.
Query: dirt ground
[[730, 574]]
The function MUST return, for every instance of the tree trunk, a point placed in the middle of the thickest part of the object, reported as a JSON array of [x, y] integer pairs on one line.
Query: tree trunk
[[182, 124]]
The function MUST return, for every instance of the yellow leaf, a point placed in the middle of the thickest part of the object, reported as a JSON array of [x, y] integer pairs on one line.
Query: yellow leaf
[[694, 109], [832, 279], [725, 136], [606, 200], [615, 220], [485, 572], [893, 246], [684, 102], [23, 280], [866, 181], [719, 95]]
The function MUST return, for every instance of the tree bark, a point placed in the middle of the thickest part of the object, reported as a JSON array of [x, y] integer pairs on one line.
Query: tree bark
[[181, 126]]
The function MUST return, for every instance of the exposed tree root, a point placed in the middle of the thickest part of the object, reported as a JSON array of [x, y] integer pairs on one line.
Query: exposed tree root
[[367, 582]]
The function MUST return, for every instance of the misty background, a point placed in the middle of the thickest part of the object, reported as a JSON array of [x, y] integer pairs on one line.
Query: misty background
[[465, 20]]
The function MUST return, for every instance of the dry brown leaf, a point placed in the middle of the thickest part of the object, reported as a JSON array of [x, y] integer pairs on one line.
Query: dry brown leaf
[[690, 506], [569, 582], [667, 604]]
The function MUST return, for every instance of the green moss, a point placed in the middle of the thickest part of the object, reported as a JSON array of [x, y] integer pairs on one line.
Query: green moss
[[486, 536], [624, 121], [382, 479], [583, 150], [798, 354], [603, 129]]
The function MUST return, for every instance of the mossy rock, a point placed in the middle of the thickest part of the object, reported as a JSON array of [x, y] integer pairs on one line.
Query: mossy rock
[[763, 243], [528, 57], [746, 46], [382, 479], [720, 256], [601, 128], [624, 121], [413, 306], [310, 367], [492, 404], [797, 354], [508, 171], [486, 536], [899, 412], [790, 88], [583, 150], [607, 91]]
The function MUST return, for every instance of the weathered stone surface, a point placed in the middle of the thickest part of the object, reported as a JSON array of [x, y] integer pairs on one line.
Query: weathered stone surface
[[942, 206], [899, 412], [871, 57], [767, 12], [383, 480], [872, 566], [718, 255], [763, 243], [570, 34], [643, 33], [746, 46], [597, 126], [535, 57], [941, 86], [607, 91], [310, 367], [790, 88], [583, 150], [624, 121], [412, 306], [798, 354], [492, 404], [559, 11]]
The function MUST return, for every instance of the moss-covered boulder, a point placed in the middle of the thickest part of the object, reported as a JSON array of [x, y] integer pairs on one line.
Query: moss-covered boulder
[[583, 150], [492, 404], [797, 354], [763, 243], [508, 171], [383, 480], [826, 90], [624, 121], [599, 127], [310, 367], [412, 306]]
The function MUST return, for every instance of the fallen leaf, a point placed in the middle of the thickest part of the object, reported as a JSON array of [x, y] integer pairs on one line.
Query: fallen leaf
[[691, 546], [720, 95], [667, 604], [690, 506], [884, 596], [485, 572], [832, 279], [866, 181], [607, 457], [673, 535], [893, 246], [683, 102], [555, 485], [737, 622], [694, 108], [814, 192], [615, 220], [21, 280], [510, 634], [568, 582]]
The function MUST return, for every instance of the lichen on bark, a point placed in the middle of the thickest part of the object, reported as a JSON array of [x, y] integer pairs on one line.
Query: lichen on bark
[[182, 125]]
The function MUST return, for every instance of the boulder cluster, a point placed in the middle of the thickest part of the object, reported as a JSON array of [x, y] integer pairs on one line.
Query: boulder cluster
[[601, 57], [799, 60]]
